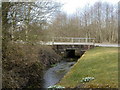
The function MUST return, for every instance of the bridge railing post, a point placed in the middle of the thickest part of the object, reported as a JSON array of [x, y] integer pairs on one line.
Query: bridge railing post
[[93, 41], [86, 40], [72, 40], [78, 40], [53, 40]]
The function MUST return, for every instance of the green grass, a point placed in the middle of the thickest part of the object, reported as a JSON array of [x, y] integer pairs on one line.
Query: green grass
[[100, 63]]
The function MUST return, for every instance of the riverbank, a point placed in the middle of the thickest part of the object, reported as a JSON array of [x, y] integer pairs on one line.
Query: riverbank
[[100, 63], [23, 65]]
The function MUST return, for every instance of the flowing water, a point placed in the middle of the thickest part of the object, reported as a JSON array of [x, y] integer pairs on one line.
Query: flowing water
[[54, 74]]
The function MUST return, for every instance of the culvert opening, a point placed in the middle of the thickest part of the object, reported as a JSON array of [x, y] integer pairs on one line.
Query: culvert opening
[[70, 53]]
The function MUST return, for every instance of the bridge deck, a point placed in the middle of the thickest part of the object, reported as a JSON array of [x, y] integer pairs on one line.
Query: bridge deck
[[69, 43]]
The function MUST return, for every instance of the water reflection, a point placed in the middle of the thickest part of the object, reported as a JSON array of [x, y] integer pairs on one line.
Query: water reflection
[[54, 75]]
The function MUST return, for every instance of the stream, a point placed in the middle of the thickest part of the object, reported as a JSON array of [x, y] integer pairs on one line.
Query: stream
[[54, 74]]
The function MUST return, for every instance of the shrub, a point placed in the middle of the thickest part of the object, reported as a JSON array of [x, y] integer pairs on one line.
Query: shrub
[[24, 63]]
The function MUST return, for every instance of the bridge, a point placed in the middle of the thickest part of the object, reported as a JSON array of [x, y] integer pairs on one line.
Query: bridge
[[70, 46]]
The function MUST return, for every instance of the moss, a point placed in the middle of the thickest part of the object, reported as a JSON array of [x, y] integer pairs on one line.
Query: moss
[[53, 65]]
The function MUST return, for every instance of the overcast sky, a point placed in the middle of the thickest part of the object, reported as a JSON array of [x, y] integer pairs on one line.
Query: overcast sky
[[70, 6]]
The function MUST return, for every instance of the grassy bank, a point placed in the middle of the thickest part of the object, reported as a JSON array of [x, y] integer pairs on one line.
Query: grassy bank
[[100, 63]]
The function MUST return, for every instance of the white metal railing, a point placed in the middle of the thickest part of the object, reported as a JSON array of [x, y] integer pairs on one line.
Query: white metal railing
[[73, 40]]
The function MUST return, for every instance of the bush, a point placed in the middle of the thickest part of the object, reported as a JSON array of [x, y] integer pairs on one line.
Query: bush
[[24, 63]]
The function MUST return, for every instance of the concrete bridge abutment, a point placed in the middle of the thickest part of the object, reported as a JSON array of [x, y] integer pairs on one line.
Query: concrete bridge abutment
[[71, 50]]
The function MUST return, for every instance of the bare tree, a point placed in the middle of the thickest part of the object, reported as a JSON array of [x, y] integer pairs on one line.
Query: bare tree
[[97, 21], [23, 14]]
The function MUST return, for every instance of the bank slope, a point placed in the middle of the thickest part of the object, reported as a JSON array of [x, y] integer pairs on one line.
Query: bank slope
[[100, 63]]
